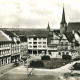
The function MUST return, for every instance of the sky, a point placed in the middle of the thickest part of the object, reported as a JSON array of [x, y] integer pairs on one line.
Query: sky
[[37, 13]]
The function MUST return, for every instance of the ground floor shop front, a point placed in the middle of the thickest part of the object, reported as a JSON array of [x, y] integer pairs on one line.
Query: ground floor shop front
[[37, 52], [15, 58], [5, 60]]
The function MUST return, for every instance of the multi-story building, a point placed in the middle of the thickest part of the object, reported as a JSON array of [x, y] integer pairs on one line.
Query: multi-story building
[[52, 45], [5, 49], [12, 47], [23, 46], [37, 44], [64, 46], [15, 45]]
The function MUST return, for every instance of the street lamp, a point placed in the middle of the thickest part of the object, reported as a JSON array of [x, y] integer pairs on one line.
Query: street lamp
[[24, 58]]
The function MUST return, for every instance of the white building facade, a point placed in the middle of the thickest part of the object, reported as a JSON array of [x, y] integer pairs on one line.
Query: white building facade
[[37, 45]]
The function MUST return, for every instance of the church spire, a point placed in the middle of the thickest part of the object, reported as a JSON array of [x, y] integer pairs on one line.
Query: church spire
[[63, 24], [48, 27], [63, 16]]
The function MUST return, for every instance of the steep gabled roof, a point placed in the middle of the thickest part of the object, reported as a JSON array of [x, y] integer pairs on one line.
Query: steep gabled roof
[[9, 33], [70, 37], [3, 38], [73, 26]]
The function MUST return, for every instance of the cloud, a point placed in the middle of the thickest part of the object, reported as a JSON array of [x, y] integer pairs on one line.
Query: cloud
[[37, 13]]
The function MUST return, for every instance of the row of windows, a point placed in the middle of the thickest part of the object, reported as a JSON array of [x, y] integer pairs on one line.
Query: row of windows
[[64, 43], [23, 52], [14, 51], [4, 45], [62, 48], [37, 38], [38, 42], [62, 53], [13, 45], [4, 52], [38, 46], [23, 46]]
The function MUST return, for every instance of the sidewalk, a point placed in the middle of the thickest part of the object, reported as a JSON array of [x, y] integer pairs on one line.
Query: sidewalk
[[5, 68]]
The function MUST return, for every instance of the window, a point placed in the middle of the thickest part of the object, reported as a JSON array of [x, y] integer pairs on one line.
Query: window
[[39, 38], [44, 38], [44, 46], [39, 46], [39, 42], [59, 53], [1, 45], [35, 42], [34, 46], [34, 38], [30, 42], [66, 43], [30, 46], [67, 53], [62, 43], [44, 42], [63, 53]]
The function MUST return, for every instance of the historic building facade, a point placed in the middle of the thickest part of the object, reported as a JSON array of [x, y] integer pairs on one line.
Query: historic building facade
[[5, 49], [12, 47]]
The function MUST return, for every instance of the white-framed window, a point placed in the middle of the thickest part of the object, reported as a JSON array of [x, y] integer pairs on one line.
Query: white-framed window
[[34, 38], [44, 42], [44, 38], [30, 42], [39, 42], [39, 46], [30, 46], [44, 46]]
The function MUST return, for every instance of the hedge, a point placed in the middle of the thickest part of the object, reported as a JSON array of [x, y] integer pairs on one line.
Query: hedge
[[76, 66], [66, 57], [76, 59], [45, 57], [36, 64]]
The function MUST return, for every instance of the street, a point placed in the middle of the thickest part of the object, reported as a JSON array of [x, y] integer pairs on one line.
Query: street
[[20, 73]]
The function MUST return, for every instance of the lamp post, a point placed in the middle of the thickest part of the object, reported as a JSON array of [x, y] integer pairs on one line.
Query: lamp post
[[24, 58], [27, 63]]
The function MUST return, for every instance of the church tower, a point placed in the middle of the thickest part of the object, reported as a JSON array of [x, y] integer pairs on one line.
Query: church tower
[[48, 27], [63, 24]]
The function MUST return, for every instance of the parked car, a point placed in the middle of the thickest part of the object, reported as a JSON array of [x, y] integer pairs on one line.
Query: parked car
[[15, 64]]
